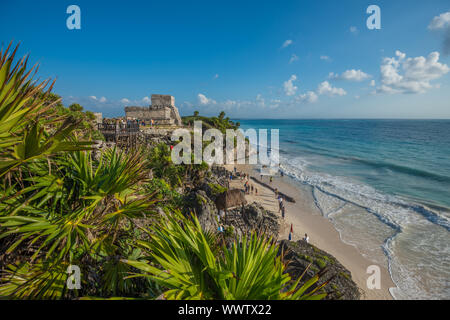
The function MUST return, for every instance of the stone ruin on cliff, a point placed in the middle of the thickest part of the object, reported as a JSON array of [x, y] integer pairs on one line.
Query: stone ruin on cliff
[[162, 111]]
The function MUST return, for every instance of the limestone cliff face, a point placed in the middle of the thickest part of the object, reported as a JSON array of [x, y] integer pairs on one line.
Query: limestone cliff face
[[253, 217], [176, 116], [230, 198], [301, 254], [204, 208]]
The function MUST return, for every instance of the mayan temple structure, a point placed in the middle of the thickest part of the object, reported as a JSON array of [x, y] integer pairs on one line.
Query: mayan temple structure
[[162, 111]]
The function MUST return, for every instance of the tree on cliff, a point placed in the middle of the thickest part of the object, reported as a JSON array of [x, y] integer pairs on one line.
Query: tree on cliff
[[75, 107]]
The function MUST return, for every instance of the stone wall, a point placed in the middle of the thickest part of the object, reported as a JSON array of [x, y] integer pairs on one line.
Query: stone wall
[[136, 112], [163, 100], [98, 117], [160, 115]]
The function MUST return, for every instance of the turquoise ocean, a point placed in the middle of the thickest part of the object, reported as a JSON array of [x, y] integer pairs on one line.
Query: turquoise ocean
[[385, 186]]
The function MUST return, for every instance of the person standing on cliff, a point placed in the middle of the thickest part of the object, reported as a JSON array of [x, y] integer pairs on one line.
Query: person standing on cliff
[[280, 203], [306, 238]]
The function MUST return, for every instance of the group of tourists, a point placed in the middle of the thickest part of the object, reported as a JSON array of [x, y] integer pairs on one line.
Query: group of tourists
[[248, 188]]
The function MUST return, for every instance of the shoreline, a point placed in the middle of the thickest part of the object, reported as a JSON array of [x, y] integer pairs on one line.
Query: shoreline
[[305, 219]]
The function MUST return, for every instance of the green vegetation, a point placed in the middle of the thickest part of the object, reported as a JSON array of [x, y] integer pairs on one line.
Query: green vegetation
[[216, 189], [191, 265], [62, 204], [221, 123], [321, 263]]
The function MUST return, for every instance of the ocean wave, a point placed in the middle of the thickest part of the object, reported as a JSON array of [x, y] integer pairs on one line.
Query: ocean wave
[[376, 164], [400, 168], [391, 210]]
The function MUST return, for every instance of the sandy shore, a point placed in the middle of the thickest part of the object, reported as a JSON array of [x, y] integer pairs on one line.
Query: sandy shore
[[304, 219]]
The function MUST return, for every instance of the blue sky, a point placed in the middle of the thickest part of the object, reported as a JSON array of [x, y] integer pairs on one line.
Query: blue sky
[[253, 59]]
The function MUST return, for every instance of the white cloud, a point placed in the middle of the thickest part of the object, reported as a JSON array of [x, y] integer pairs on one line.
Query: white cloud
[[325, 88], [146, 100], [203, 100], [350, 75], [354, 30], [216, 76], [326, 58], [309, 97], [260, 100], [440, 22], [289, 87], [274, 103], [125, 101], [410, 75], [293, 58], [372, 83], [102, 99], [287, 43]]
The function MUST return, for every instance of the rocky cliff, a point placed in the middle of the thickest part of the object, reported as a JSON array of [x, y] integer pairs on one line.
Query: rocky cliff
[[300, 254]]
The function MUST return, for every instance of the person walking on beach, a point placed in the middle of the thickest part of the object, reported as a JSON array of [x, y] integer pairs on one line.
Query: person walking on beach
[[271, 179], [251, 188], [276, 193], [256, 191], [283, 211], [280, 203]]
